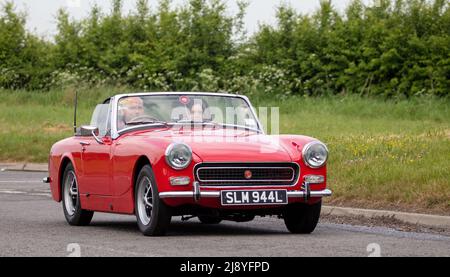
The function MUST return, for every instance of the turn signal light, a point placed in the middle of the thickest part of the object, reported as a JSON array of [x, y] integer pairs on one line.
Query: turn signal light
[[180, 181], [314, 179]]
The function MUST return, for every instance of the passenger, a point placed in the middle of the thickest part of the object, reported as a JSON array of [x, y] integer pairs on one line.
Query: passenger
[[197, 110]]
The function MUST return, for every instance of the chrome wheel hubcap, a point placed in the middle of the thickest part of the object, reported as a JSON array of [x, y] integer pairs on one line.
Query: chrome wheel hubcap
[[145, 200], [71, 193]]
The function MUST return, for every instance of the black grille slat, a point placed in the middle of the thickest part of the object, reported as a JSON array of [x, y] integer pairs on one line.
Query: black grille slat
[[234, 174], [209, 174]]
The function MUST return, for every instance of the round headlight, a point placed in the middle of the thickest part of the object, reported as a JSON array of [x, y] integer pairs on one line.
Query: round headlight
[[178, 156], [315, 154]]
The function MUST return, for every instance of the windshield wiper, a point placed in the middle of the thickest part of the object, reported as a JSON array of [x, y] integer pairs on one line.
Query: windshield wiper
[[197, 122], [223, 125], [135, 123], [232, 126]]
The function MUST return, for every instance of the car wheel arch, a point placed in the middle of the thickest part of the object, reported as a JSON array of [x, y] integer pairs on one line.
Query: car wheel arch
[[139, 164], [64, 162]]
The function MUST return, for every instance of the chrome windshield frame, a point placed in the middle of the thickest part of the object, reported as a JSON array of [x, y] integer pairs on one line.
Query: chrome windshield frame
[[115, 103]]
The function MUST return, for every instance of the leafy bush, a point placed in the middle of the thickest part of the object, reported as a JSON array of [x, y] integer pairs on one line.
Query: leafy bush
[[24, 59], [393, 48]]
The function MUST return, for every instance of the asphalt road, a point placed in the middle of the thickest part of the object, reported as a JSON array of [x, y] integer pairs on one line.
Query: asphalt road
[[31, 224]]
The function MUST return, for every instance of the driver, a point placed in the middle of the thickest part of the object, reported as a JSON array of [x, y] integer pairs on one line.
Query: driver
[[129, 108]]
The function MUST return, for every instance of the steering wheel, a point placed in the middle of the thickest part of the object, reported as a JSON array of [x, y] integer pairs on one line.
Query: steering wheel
[[142, 118]]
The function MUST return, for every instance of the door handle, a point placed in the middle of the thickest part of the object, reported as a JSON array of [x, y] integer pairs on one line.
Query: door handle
[[84, 145]]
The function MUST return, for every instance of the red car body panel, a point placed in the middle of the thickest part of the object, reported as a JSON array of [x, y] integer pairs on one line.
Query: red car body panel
[[107, 172]]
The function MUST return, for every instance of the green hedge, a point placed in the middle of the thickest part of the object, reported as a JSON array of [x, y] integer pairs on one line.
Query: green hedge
[[390, 48]]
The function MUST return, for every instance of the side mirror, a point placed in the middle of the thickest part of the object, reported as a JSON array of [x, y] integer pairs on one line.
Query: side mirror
[[88, 131]]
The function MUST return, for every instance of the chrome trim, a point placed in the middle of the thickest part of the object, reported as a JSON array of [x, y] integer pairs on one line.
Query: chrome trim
[[115, 100], [306, 191], [244, 181], [170, 148], [306, 148], [91, 129], [97, 139], [114, 132], [250, 186], [216, 194], [46, 180], [313, 194], [188, 194], [197, 192]]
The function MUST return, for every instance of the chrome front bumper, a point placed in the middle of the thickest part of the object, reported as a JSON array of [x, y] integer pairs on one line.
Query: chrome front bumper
[[197, 194]]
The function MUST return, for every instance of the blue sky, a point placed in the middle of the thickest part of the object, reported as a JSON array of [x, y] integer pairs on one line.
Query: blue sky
[[41, 13]]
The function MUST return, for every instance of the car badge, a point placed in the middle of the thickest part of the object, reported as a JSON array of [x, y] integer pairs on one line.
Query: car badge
[[248, 174], [184, 100]]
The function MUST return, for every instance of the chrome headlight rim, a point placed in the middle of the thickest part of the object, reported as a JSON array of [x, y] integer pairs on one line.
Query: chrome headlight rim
[[305, 152], [171, 148]]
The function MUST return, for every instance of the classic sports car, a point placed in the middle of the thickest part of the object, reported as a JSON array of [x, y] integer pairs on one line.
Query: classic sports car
[[205, 155]]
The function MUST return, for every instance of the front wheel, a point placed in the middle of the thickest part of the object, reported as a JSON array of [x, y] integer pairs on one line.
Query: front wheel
[[302, 218], [153, 216], [73, 213]]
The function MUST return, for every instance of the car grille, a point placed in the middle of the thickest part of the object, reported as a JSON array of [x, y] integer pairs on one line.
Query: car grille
[[244, 174]]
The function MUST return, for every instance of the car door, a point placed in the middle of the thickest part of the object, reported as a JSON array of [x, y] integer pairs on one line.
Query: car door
[[96, 155]]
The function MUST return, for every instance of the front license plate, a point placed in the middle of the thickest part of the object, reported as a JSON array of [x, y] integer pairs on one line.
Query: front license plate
[[254, 197]]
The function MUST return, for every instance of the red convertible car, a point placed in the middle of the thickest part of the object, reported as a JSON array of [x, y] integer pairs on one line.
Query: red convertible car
[[205, 155]]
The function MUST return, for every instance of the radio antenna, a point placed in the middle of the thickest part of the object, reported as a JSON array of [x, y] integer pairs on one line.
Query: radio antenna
[[75, 112]]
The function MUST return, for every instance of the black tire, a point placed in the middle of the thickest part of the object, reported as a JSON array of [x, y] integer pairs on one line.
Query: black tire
[[302, 218], [204, 219], [160, 214], [76, 216]]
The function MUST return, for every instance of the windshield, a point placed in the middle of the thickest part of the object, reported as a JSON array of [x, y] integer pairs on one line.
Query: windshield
[[180, 109]]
